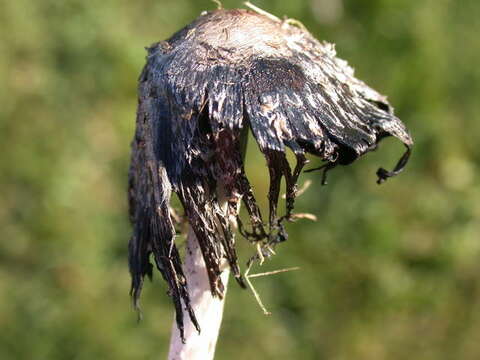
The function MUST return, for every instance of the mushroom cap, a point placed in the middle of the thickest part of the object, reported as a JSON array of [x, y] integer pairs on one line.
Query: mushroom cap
[[200, 91]]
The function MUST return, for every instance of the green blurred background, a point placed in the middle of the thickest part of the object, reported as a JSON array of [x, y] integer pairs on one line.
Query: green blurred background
[[387, 272]]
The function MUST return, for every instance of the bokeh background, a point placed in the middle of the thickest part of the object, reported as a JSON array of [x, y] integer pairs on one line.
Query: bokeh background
[[387, 272]]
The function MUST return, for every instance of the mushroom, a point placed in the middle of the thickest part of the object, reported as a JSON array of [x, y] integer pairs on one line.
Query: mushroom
[[228, 72]]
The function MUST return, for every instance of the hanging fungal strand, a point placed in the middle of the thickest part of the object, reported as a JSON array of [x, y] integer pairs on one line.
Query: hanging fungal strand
[[199, 93]]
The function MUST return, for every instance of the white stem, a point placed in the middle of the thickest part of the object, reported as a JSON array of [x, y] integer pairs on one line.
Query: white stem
[[208, 309]]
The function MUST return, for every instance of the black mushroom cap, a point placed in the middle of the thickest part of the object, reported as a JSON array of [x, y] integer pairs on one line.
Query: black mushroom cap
[[200, 91]]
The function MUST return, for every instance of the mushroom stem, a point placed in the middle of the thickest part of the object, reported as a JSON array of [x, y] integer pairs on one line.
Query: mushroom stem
[[208, 309]]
